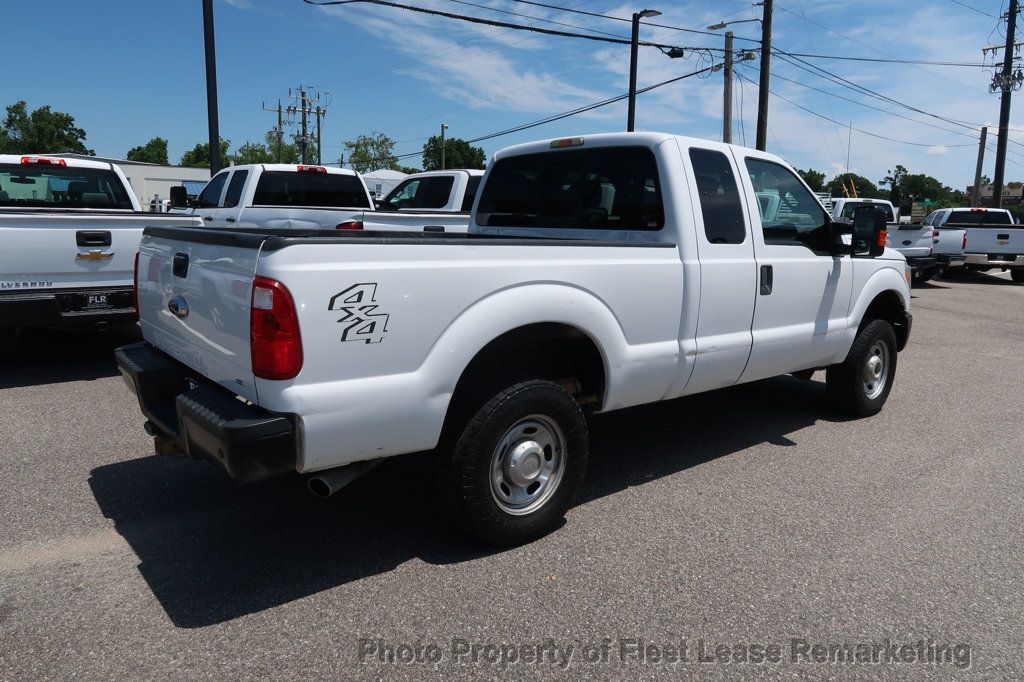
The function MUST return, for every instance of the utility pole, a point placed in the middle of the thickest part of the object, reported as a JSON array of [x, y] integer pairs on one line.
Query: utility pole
[[279, 130], [211, 86], [1007, 84], [320, 113], [304, 108], [305, 120], [444, 127], [762, 91], [633, 45], [727, 97], [977, 169]]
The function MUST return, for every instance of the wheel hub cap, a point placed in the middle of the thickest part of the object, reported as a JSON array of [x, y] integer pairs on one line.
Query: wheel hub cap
[[527, 465], [876, 369]]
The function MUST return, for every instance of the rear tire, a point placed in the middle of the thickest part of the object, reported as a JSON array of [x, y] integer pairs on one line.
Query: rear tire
[[517, 465], [1017, 274], [860, 384], [921, 276], [953, 273]]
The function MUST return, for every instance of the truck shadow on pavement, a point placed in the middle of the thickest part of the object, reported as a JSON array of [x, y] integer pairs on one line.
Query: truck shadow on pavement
[[43, 356], [211, 550]]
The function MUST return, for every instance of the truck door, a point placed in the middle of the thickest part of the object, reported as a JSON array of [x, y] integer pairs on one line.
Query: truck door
[[803, 292], [210, 200], [727, 270]]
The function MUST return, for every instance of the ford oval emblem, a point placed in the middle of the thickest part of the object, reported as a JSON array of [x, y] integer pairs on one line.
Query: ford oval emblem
[[178, 307]]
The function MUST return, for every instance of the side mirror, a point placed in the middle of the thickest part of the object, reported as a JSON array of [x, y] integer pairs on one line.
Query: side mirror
[[869, 231], [179, 197]]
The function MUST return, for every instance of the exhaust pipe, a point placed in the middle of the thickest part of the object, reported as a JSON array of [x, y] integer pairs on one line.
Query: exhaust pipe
[[330, 481]]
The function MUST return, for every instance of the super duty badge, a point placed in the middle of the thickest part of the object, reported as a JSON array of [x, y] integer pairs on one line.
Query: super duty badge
[[361, 321]]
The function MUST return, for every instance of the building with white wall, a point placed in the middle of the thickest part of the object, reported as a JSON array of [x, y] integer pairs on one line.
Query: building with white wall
[[152, 179], [382, 181]]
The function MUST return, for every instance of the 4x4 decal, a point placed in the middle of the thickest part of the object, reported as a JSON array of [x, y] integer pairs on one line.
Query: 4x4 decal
[[361, 322]]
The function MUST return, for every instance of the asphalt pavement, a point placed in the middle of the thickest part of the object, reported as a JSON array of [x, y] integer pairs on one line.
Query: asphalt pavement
[[742, 533]]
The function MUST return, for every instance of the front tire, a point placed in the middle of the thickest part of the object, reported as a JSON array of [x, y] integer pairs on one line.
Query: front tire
[[518, 464], [860, 384]]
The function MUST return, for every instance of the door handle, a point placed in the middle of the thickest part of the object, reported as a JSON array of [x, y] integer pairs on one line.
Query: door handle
[[433, 228], [230, 220], [207, 217], [767, 275]]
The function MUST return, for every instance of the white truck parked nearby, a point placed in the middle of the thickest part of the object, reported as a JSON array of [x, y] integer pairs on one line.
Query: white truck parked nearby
[[279, 195], [69, 231], [915, 242], [432, 201], [600, 272], [992, 240]]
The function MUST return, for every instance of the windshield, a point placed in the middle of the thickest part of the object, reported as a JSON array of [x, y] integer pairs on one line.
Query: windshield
[[32, 186], [310, 189], [851, 206], [977, 217]]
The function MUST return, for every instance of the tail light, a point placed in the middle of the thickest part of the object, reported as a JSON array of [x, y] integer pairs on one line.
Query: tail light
[[274, 331], [882, 236], [349, 225], [136, 277], [311, 169]]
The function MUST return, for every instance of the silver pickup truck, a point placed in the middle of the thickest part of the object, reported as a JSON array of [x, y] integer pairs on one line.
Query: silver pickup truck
[[993, 241], [69, 232]]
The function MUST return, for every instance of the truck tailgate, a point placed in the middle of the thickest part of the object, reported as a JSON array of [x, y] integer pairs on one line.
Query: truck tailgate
[[194, 302], [913, 241], [995, 239], [64, 251]]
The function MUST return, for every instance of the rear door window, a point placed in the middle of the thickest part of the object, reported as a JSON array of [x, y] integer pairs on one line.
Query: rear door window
[[234, 194], [610, 188], [719, 197], [310, 189], [428, 192]]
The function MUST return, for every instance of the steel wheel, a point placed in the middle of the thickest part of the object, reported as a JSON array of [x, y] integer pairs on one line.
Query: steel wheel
[[876, 370], [527, 465]]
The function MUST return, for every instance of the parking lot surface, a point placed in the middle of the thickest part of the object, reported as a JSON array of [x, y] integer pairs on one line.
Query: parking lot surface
[[752, 518]]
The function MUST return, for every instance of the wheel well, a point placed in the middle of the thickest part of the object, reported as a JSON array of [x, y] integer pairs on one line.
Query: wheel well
[[888, 306], [556, 352]]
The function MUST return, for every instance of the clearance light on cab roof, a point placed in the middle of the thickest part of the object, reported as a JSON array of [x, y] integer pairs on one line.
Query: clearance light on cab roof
[[567, 142], [312, 169], [43, 161]]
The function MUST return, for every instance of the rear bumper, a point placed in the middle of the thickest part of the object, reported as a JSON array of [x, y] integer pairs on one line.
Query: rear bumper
[[66, 307], [950, 261], [204, 420], [921, 263], [993, 260]]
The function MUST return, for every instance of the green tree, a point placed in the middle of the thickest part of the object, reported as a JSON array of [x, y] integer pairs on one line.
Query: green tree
[[371, 152], [199, 156], [154, 151], [43, 131], [409, 170], [457, 154], [895, 180], [864, 187], [814, 179], [254, 152]]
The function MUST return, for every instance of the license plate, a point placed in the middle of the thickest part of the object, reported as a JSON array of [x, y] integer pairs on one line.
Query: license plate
[[96, 301]]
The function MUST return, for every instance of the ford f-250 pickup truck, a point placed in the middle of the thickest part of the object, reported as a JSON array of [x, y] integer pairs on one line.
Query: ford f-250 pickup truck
[[69, 231], [600, 272], [432, 201], [281, 195], [992, 240]]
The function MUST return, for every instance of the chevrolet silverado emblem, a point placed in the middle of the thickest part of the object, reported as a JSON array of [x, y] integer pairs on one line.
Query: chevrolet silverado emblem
[[94, 255]]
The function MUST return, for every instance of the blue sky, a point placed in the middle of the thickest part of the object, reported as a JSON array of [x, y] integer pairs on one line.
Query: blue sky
[[131, 70]]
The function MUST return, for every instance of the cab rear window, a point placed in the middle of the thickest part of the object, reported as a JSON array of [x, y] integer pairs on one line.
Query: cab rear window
[[319, 190], [610, 188], [31, 186], [978, 217]]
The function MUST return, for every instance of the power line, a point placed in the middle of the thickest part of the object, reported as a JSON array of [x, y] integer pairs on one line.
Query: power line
[[973, 9], [924, 62], [533, 18]]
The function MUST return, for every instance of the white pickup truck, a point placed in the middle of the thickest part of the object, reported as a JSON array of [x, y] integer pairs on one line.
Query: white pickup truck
[[914, 241], [280, 195], [69, 231], [992, 240], [600, 272], [432, 201]]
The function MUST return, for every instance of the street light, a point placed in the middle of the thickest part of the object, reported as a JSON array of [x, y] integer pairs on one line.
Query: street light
[[766, 56], [444, 127], [632, 63]]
